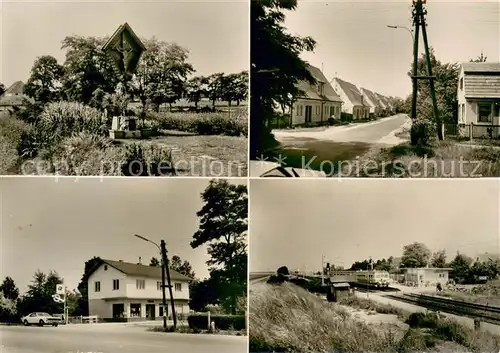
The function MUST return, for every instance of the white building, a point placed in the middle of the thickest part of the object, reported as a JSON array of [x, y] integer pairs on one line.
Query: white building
[[122, 290], [426, 276]]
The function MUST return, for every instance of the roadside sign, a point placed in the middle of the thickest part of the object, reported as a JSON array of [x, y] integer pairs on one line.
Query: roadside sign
[[57, 298], [60, 289]]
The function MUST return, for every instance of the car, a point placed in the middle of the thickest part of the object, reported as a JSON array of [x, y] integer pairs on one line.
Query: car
[[40, 319]]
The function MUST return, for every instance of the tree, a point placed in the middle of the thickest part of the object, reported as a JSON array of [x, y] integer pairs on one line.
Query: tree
[[154, 262], [161, 74], [39, 294], [241, 87], [86, 68], [446, 92], [439, 259], [183, 267], [223, 228], [461, 267], [196, 89], [2, 88], [44, 84], [215, 88], [415, 255], [479, 59], [9, 289], [83, 300], [283, 270], [276, 67]]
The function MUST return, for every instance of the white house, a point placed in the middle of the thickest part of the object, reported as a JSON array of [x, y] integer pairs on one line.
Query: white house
[[427, 276], [373, 101], [354, 101], [478, 96], [318, 102], [122, 290]]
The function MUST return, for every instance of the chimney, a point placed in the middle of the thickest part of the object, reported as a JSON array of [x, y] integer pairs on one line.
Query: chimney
[[120, 260], [139, 263]]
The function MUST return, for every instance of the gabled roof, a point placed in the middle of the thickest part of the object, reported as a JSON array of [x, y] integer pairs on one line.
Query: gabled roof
[[482, 80], [372, 96], [351, 91], [311, 91], [384, 100], [136, 270], [485, 68], [16, 88]]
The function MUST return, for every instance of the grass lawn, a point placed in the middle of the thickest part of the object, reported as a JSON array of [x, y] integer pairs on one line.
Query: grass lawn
[[287, 318], [205, 155]]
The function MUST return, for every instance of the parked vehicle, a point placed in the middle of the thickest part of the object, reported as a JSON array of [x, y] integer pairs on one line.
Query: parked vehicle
[[40, 319]]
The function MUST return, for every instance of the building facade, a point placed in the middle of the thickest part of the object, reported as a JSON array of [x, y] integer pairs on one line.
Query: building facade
[[354, 101], [426, 276], [318, 102], [478, 97], [125, 291], [14, 98]]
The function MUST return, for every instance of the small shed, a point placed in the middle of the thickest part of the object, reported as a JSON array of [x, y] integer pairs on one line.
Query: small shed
[[338, 291]]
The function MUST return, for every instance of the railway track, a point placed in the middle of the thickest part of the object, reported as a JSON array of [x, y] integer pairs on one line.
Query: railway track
[[490, 314]]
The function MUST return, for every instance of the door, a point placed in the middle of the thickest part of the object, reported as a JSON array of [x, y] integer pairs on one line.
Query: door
[[150, 311], [308, 113], [118, 311]]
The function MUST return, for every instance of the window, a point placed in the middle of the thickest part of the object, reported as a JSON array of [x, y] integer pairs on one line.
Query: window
[[484, 115], [97, 286], [178, 287], [105, 267], [463, 112], [462, 83], [140, 284], [332, 111], [116, 284], [158, 285], [135, 310], [299, 110], [318, 110]]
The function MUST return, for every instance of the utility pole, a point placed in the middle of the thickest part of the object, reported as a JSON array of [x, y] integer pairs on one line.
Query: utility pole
[[166, 268], [322, 270], [418, 15], [164, 297]]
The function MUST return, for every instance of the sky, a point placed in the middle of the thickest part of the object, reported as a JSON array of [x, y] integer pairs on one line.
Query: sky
[[294, 222], [215, 32], [355, 44], [49, 225]]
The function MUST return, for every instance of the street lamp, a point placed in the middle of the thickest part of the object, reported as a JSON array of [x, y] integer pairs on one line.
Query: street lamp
[[164, 268], [405, 28]]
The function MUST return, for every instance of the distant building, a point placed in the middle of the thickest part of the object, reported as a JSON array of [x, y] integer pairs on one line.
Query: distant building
[[318, 102], [14, 98], [479, 97], [376, 108], [120, 290], [354, 101], [487, 256], [426, 276]]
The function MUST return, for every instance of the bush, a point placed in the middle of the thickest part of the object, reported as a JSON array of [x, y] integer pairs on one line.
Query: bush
[[63, 119], [346, 117], [423, 320], [280, 278], [422, 130], [142, 159], [221, 322], [283, 270]]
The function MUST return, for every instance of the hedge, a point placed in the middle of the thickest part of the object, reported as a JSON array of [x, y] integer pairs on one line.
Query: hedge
[[222, 322]]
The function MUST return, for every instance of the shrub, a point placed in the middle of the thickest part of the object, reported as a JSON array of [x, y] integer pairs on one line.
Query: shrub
[[346, 117], [331, 121], [280, 278], [423, 320], [283, 270], [63, 119], [87, 154], [142, 159], [221, 322], [422, 130]]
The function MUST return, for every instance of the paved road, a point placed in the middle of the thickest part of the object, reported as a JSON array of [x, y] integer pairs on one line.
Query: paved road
[[381, 131], [112, 339]]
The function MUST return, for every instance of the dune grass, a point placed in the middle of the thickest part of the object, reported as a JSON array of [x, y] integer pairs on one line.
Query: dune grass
[[287, 318]]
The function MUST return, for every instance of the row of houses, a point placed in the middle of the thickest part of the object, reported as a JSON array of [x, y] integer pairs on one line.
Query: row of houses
[[329, 99]]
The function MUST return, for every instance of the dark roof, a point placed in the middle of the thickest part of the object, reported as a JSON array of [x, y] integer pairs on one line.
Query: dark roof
[[16, 88], [372, 96], [352, 92], [137, 270], [482, 86], [312, 92], [128, 30], [481, 67], [384, 99]]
